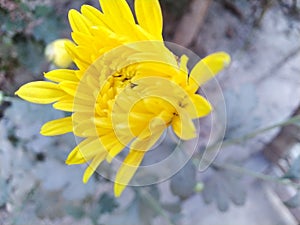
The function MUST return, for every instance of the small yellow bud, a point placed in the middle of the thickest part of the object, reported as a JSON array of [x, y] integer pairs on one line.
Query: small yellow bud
[[57, 53]]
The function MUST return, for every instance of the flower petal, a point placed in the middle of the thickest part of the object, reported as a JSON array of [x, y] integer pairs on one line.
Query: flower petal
[[93, 166], [149, 17], [78, 22], [207, 68], [85, 151], [92, 14], [183, 126], [69, 87], [65, 103], [119, 14], [61, 75], [118, 9], [57, 127], [127, 170], [41, 92], [198, 106]]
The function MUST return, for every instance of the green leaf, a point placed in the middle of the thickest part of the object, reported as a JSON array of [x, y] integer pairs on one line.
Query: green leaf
[[223, 187], [293, 202], [183, 183]]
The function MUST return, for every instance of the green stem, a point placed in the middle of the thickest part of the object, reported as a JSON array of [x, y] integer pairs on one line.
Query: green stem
[[242, 170], [257, 175], [238, 140], [154, 204]]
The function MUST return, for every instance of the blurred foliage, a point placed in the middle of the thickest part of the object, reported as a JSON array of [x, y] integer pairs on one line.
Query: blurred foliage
[[224, 187], [26, 27], [30, 165], [35, 183], [239, 103]]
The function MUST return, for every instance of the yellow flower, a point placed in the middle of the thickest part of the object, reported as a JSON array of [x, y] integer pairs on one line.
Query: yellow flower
[[128, 88], [57, 54]]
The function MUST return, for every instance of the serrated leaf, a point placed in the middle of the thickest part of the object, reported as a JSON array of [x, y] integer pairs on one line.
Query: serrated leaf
[[209, 191], [293, 202], [235, 191], [222, 188], [183, 183], [222, 199]]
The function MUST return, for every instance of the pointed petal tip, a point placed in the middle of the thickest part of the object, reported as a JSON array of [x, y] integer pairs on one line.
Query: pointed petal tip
[[87, 174], [68, 161], [85, 179], [118, 189]]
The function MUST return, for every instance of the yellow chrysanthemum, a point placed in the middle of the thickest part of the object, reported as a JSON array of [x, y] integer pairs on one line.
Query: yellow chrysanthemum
[[128, 87]]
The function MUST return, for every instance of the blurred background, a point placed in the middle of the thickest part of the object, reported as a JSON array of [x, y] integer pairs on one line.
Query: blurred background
[[254, 180]]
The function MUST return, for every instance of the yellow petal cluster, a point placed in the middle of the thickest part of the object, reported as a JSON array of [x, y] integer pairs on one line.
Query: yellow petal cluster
[[128, 88]]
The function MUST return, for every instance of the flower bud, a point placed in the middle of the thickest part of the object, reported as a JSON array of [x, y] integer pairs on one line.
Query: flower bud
[[57, 53]]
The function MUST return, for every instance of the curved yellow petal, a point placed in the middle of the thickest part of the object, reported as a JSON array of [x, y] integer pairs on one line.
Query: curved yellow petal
[[85, 151], [69, 87], [83, 39], [199, 106], [134, 158], [61, 75], [217, 61], [118, 9], [119, 14], [92, 14], [57, 127], [93, 166], [149, 17], [207, 68], [41, 92], [183, 126], [127, 170], [78, 22], [66, 103]]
